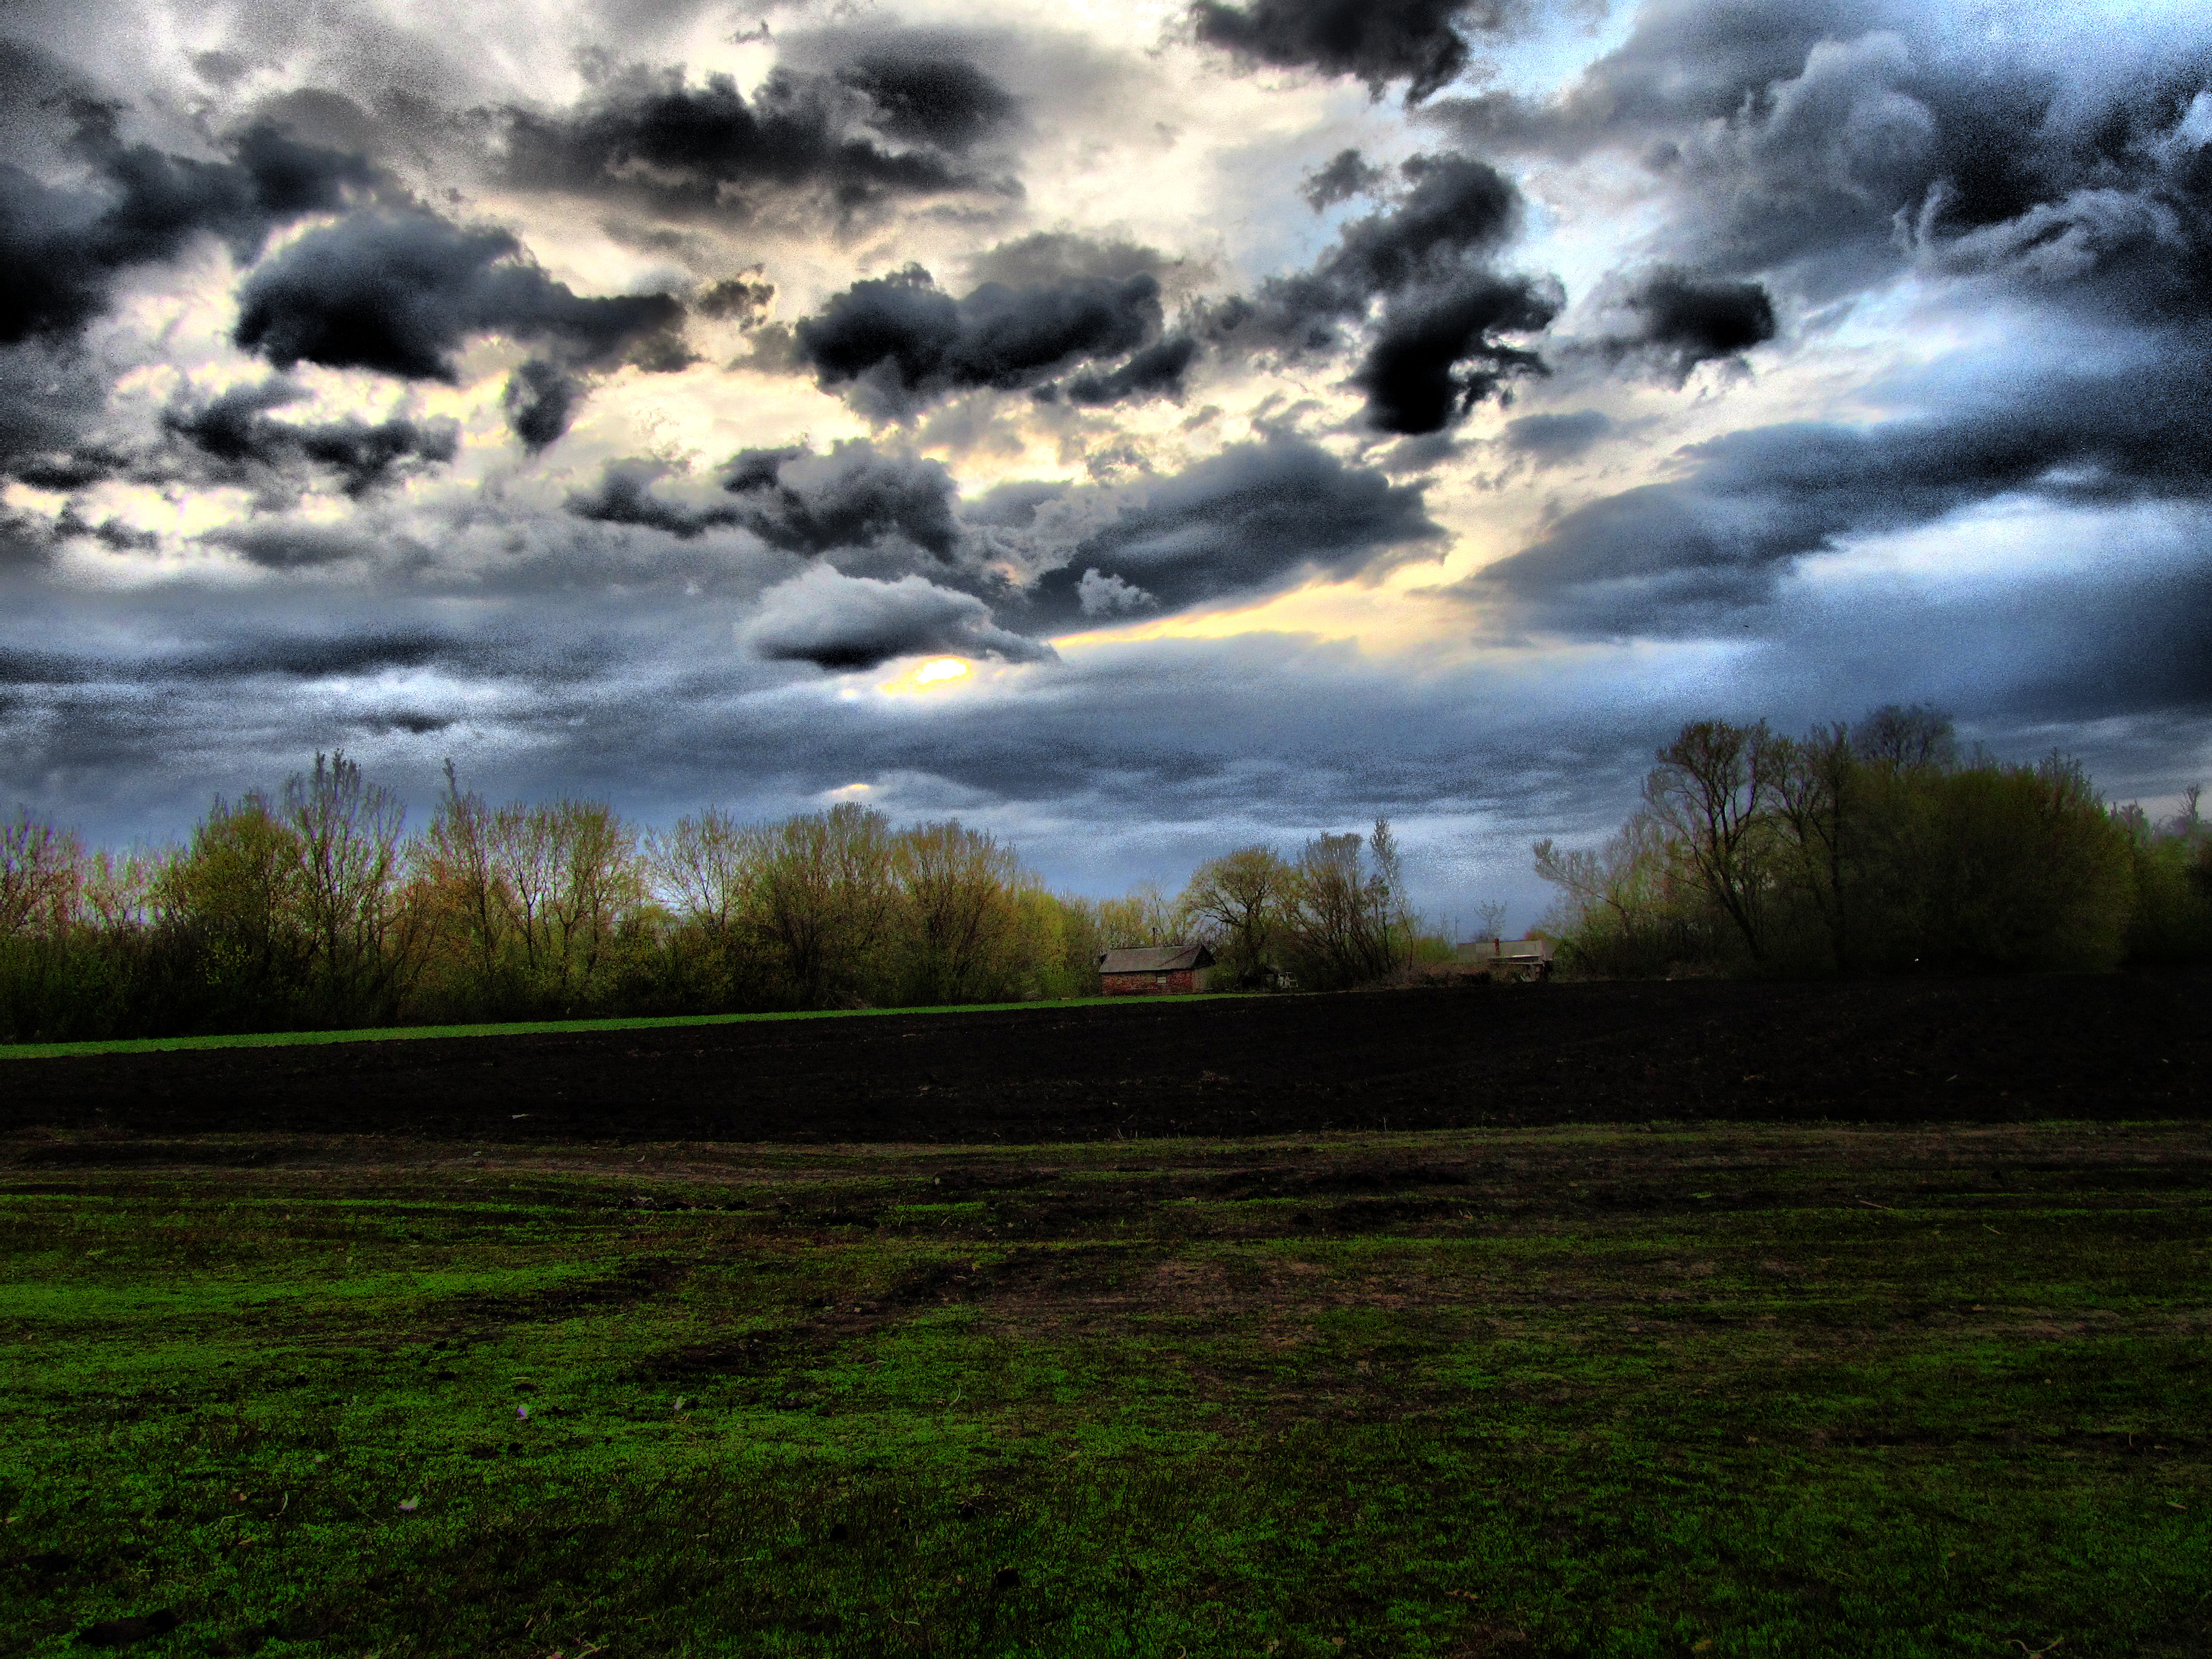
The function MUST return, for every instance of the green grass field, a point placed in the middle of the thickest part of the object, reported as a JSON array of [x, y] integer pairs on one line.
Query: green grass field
[[408, 1033], [1575, 1391]]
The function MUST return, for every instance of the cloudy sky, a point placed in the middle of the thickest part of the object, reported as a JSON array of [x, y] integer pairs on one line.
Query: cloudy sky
[[1139, 429]]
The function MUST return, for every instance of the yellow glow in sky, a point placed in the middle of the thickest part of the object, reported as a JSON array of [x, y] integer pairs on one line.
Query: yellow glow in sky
[[935, 675]]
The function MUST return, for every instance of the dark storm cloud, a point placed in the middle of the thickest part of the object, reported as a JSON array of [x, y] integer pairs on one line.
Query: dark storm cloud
[[1253, 518], [541, 400], [625, 495], [1687, 320], [235, 433], [399, 292], [1435, 351], [319, 656], [1155, 372], [743, 299], [844, 623], [1434, 356], [938, 100], [907, 343], [855, 497], [290, 547], [1680, 556], [248, 653], [1346, 175], [62, 247], [1457, 208], [891, 126], [1416, 41]]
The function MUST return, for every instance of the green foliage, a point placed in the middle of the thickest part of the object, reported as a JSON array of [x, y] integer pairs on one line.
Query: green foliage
[[1874, 849], [313, 909], [1242, 902]]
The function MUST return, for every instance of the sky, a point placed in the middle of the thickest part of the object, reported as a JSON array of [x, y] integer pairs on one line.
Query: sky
[[1139, 430]]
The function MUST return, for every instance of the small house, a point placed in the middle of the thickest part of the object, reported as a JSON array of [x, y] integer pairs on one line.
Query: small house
[[1154, 970], [1505, 958]]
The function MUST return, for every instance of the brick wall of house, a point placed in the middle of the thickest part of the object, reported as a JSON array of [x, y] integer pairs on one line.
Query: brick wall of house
[[1150, 984]]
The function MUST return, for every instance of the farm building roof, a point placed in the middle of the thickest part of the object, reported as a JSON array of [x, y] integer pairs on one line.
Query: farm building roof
[[1155, 959]]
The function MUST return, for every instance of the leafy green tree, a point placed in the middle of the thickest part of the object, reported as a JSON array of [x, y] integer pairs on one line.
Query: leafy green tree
[[1239, 900], [824, 902], [232, 908], [957, 888]]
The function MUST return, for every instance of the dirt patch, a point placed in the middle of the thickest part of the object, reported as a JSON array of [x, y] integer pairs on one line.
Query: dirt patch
[[2134, 1046]]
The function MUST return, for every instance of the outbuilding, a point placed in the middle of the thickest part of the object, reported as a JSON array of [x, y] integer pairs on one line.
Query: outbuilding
[[1154, 970], [1506, 958]]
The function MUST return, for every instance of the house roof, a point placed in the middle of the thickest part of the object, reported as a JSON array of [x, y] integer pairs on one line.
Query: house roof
[[1155, 959], [1510, 950]]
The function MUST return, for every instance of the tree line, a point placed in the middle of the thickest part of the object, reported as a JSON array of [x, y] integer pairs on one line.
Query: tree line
[[1878, 847], [313, 906]]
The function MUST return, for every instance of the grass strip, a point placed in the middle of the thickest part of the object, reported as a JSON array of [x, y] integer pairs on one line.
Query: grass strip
[[525, 1028]]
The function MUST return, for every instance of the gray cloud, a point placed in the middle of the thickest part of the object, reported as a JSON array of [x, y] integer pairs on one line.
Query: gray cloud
[[1834, 140], [1046, 258], [1345, 175], [1682, 556], [398, 292], [1379, 42], [1435, 352], [854, 499], [1549, 440], [1685, 320], [896, 122], [541, 400], [62, 247], [234, 432], [1157, 371], [843, 622], [906, 342], [1254, 517]]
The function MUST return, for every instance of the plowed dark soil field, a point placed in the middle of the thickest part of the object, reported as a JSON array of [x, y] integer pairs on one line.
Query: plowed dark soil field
[[2132, 1046]]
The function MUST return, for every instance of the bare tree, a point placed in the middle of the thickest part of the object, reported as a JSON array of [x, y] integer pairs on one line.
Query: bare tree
[[1905, 738], [456, 859], [364, 934], [1708, 790], [1623, 880], [1814, 783], [42, 872], [1338, 913], [706, 867]]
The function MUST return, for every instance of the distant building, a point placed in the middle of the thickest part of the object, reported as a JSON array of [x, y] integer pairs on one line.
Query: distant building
[[1154, 970], [1516, 958]]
